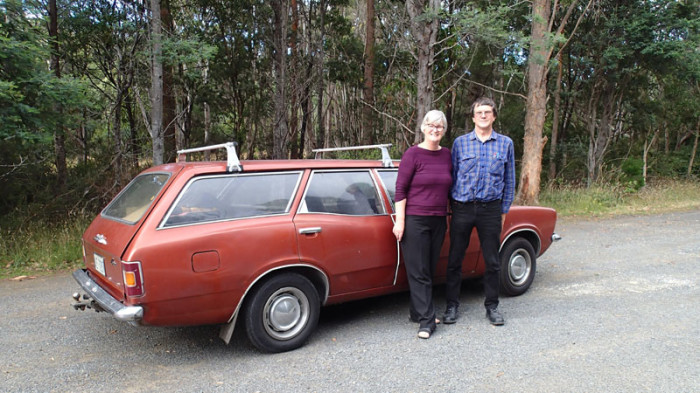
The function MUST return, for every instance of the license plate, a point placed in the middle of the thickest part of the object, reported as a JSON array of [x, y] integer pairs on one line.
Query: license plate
[[99, 264]]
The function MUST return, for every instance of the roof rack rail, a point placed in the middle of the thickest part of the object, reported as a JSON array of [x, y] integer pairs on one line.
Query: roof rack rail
[[386, 158], [232, 162]]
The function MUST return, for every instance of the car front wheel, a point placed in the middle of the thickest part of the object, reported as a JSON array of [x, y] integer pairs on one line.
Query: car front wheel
[[282, 313], [518, 265]]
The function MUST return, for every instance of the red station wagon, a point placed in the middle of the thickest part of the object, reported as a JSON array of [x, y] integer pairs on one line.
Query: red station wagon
[[268, 242]]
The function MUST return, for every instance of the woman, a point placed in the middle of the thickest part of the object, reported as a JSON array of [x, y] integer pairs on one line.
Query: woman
[[422, 187]]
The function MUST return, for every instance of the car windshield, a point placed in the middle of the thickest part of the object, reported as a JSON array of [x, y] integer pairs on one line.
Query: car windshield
[[134, 200]]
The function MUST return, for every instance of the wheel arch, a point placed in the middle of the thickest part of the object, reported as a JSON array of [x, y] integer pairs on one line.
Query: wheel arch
[[318, 278], [526, 233]]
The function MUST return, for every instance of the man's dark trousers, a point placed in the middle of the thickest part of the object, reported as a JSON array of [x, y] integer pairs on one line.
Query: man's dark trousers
[[486, 218]]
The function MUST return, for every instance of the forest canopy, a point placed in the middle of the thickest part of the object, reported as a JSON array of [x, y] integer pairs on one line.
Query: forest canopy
[[93, 91]]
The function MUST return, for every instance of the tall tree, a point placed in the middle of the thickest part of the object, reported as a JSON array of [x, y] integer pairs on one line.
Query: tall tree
[[59, 131], [156, 93], [280, 126], [424, 29], [368, 86], [541, 48]]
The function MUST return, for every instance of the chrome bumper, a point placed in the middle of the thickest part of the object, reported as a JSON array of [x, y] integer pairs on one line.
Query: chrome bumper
[[97, 298]]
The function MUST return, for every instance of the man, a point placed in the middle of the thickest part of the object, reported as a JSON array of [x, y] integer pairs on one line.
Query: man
[[483, 175]]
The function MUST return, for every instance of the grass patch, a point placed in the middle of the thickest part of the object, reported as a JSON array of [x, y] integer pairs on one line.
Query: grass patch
[[658, 196], [36, 247]]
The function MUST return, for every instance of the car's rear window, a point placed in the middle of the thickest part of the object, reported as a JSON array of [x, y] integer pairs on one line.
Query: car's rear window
[[134, 200], [216, 198]]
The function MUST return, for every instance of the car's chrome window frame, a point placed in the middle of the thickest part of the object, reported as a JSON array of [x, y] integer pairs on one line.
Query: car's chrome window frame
[[127, 189], [384, 186], [381, 210], [183, 192]]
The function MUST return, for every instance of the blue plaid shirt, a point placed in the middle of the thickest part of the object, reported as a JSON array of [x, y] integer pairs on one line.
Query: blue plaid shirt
[[483, 171]]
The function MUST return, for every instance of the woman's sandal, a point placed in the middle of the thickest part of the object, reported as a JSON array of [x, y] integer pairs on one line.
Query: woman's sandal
[[424, 333]]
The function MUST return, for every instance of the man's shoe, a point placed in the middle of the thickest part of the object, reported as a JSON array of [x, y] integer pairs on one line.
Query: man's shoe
[[494, 316], [450, 316]]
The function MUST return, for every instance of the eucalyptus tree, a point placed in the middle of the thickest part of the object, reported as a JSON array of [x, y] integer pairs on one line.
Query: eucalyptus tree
[[424, 26], [549, 20]]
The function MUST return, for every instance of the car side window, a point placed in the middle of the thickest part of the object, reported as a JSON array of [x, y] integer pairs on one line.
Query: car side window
[[388, 178], [216, 198], [352, 193]]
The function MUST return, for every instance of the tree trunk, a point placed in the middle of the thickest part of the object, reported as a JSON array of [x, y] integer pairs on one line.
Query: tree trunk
[[424, 29], [321, 134], [591, 119], [555, 123], [59, 131], [280, 127], [695, 149], [529, 187], [156, 84], [169, 106], [368, 87], [117, 163], [647, 147]]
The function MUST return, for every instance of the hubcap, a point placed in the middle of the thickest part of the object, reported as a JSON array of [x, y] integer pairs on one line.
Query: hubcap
[[286, 313], [519, 267]]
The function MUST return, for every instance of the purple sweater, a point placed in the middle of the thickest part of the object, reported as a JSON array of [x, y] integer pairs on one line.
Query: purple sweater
[[424, 180]]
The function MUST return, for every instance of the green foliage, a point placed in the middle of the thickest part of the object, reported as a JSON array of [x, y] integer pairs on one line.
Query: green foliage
[[632, 173], [30, 246]]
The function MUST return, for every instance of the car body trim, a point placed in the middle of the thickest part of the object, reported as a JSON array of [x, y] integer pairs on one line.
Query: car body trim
[[537, 246]]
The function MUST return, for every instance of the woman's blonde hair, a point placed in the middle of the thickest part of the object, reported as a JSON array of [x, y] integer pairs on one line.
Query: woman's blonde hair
[[433, 116]]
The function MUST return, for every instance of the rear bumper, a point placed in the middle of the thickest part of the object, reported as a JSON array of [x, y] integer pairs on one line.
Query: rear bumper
[[95, 295]]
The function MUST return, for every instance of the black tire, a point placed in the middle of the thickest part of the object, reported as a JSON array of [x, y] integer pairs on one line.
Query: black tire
[[518, 266], [282, 313]]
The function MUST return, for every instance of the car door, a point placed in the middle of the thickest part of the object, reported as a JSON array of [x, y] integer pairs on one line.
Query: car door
[[343, 227]]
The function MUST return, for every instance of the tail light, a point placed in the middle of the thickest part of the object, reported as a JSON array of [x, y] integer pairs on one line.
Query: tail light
[[133, 278]]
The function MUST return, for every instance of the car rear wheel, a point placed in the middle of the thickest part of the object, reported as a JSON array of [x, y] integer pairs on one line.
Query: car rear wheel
[[282, 313], [518, 265]]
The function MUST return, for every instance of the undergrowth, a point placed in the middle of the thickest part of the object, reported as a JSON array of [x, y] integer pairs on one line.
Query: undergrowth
[[31, 246]]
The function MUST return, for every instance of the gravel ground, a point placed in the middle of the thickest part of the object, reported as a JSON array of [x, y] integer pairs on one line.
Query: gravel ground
[[614, 308]]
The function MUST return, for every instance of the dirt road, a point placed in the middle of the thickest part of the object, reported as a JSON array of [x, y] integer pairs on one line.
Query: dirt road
[[614, 308]]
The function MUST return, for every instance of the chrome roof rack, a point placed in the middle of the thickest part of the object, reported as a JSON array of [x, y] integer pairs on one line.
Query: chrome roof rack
[[232, 162], [386, 158]]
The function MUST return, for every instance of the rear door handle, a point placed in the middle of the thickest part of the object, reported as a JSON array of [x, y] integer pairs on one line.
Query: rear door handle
[[309, 231]]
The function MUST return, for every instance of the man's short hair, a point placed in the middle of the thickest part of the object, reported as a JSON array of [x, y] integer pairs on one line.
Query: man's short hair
[[485, 101]]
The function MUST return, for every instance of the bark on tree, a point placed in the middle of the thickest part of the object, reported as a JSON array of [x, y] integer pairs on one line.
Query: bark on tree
[[321, 134], [294, 82], [156, 84], [647, 147], [424, 29], [280, 127], [169, 105], [695, 149], [555, 123], [368, 87], [529, 187], [540, 53]]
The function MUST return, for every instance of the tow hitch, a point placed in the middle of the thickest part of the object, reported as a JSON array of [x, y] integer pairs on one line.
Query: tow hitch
[[85, 301]]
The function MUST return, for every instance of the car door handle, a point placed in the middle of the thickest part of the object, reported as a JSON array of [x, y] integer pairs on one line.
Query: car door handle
[[309, 231]]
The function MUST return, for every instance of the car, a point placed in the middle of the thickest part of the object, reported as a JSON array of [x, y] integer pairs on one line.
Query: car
[[264, 244]]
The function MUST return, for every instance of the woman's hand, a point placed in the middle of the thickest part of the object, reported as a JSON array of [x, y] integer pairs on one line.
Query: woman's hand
[[398, 230]]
